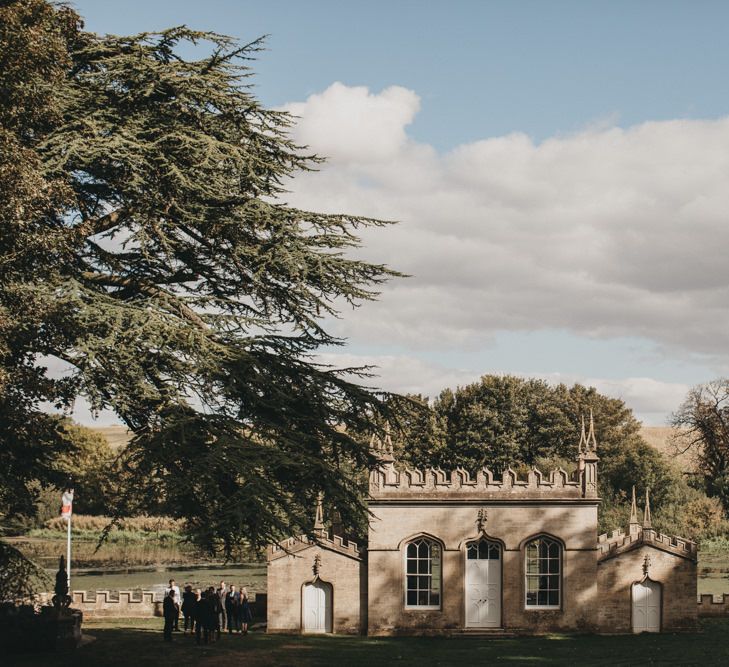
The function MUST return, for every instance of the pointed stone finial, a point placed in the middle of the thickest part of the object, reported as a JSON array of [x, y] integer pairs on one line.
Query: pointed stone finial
[[319, 517], [647, 511], [583, 438], [633, 524], [591, 440], [382, 449], [387, 444], [633, 509]]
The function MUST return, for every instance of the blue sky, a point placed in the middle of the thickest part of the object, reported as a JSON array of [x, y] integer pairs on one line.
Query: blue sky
[[557, 168]]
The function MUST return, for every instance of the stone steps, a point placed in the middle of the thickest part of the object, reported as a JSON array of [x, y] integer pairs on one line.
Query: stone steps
[[483, 633]]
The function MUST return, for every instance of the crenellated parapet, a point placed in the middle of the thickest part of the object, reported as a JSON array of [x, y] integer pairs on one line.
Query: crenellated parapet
[[126, 604], [619, 542], [293, 545], [390, 482]]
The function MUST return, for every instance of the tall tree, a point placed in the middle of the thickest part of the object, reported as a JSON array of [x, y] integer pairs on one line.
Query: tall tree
[[153, 255], [503, 421], [703, 429]]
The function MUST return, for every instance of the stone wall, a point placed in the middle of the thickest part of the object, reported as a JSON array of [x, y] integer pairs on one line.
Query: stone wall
[[677, 576], [454, 524], [713, 607], [131, 604]]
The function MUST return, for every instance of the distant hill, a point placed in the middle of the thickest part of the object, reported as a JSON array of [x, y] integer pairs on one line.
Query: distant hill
[[117, 436], [660, 437]]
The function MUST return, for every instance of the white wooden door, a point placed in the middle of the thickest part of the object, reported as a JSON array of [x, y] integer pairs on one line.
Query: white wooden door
[[317, 607], [646, 606], [483, 585]]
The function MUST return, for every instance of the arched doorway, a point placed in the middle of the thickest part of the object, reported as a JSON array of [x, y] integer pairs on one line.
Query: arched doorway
[[646, 603], [317, 607], [483, 584]]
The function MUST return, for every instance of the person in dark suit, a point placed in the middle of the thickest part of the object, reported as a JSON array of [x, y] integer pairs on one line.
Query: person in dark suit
[[221, 620], [200, 614], [169, 611], [214, 609], [188, 606], [232, 603]]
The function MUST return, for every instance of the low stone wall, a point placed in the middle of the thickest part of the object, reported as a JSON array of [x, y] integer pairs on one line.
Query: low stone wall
[[133, 604], [711, 606]]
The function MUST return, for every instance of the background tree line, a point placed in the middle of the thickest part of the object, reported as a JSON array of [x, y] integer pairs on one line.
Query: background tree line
[[503, 421]]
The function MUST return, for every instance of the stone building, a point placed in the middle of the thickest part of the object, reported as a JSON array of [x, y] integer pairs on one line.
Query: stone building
[[452, 553]]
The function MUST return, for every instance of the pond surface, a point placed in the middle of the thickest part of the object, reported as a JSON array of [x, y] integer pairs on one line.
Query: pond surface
[[131, 566], [149, 566], [713, 574], [249, 575]]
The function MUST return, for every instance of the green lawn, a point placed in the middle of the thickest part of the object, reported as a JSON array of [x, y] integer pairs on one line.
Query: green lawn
[[139, 643]]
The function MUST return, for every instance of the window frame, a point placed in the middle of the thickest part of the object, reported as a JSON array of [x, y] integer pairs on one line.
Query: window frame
[[432, 542], [558, 574]]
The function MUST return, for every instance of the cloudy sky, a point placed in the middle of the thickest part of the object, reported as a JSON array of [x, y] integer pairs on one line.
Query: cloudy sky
[[559, 171]]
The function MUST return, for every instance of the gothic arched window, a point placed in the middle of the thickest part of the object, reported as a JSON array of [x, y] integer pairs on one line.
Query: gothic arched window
[[423, 574], [543, 569]]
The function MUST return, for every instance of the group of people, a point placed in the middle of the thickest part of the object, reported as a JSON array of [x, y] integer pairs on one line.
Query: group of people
[[206, 613]]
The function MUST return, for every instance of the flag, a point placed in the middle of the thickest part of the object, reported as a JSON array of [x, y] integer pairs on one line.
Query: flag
[[66, 504]]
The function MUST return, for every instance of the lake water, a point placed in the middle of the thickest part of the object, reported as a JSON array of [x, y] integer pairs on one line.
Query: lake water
[[145, 566], [149, 566]]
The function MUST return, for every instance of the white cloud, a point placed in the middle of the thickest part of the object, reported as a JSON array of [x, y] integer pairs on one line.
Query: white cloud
[[352, 124], [607, 232]]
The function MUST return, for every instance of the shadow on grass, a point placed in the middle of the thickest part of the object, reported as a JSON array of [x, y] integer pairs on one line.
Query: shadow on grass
[[139, 643]]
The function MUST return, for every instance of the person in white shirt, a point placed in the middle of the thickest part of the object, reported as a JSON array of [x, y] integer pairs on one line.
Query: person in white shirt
[[174, 587]]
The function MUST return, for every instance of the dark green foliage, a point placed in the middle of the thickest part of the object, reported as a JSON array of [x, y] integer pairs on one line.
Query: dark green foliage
[[175, 285], [703, 428], [19, 577], [505, 421]]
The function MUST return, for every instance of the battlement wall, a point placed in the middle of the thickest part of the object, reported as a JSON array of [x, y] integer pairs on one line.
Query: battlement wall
[[129, 604], [618, 541], [390, 482], [294, 544], [713, 606]]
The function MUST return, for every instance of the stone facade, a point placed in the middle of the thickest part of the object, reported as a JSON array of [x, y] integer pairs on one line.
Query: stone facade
[[297, 562], [549, 569], [676, 575]]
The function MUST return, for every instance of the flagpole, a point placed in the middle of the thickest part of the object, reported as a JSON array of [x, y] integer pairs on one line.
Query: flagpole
[[68, 555], [66, 512]]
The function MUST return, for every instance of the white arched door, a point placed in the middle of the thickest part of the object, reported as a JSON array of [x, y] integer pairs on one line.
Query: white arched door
[[317, 603], [646, 599], [483, 585]]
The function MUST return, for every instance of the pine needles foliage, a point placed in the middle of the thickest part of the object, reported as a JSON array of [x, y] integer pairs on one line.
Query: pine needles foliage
[[146, 246]]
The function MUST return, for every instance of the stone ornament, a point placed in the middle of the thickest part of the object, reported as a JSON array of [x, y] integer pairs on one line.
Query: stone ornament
[[317, 564], [481, 520]]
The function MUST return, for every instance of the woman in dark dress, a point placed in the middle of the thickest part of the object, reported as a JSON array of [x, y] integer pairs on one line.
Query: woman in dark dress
[[245, 614], [214, 608], [199, 613]]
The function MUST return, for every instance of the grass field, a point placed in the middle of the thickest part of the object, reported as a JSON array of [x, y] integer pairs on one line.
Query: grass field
[[139, 643]]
